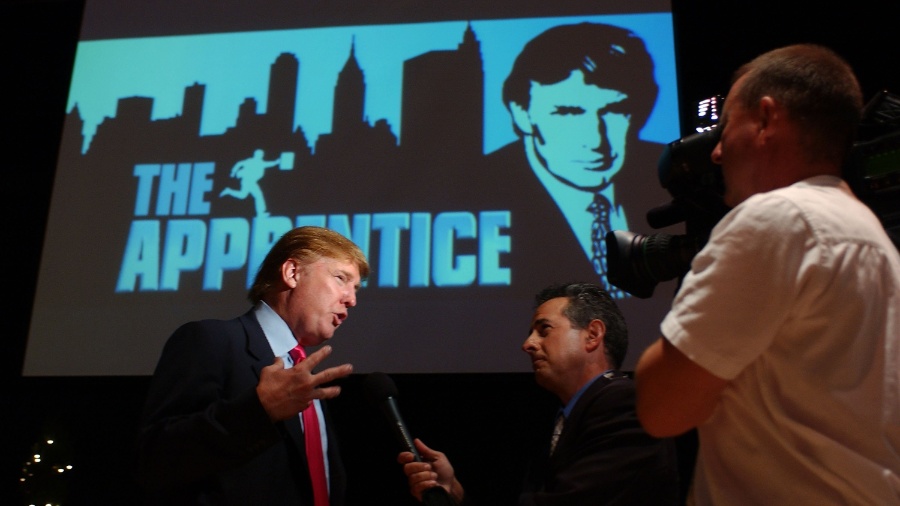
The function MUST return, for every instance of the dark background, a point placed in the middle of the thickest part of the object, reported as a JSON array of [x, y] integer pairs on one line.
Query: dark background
[[480, 420]]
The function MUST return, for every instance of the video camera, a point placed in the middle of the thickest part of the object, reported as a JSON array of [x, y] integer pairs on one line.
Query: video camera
[[873, 167], [637, 263]]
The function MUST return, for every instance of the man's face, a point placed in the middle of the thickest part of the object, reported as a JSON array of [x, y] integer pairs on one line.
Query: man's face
[[578, 130], [320, 298], [557, 349], [735, 150]]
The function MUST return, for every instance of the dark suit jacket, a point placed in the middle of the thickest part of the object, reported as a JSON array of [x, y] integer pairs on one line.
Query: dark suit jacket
[[206, 439], [604, 456]]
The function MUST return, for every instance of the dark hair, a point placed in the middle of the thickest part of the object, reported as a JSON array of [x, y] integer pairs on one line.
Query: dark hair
[[610, 57], [306, 245], [589, 301], [816, 86]]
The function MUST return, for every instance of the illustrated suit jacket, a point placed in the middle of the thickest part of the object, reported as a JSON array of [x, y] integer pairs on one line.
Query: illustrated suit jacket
[[206, 439], [541, 235], [544, 250], [603, 456]]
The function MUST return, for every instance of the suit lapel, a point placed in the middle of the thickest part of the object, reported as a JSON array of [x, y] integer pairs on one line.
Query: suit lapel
[[258, 350], [567, 438], [260, 355]]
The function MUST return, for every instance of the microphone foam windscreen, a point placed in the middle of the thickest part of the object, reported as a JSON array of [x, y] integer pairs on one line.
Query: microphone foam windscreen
[[378, 386]]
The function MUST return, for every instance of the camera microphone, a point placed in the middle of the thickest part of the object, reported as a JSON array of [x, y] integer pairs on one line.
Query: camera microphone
[[665, 215]]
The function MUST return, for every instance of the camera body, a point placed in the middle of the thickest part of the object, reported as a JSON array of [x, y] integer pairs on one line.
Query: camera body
[[637, 263], [873, 167]]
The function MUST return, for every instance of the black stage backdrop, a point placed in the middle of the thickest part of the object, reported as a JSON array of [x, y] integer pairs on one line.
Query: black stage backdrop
[[479, 419]]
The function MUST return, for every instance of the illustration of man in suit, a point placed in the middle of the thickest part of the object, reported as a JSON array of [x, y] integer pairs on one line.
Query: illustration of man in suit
[[578, 96]]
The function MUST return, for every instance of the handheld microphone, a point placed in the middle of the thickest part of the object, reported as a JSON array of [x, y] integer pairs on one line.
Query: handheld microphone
[[381, 390]]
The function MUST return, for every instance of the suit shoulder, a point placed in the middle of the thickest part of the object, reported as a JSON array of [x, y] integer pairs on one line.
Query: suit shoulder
[[207, 330], [206, 325], [604, 394]]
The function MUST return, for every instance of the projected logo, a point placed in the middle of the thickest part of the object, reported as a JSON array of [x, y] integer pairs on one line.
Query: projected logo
[[485, 165], [249, 172], [467, 159]]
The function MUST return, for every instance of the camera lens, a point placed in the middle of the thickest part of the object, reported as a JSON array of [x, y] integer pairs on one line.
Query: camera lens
[[637, 263]]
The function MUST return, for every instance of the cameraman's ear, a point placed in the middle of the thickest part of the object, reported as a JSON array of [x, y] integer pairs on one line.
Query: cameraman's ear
[[521, 118]]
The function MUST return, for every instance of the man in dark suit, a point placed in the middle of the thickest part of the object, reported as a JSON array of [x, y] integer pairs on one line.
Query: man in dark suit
[[578, 96], [225, 416], [598, 453]]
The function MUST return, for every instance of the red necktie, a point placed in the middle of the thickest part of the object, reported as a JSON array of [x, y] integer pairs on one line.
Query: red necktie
[[315, 459]]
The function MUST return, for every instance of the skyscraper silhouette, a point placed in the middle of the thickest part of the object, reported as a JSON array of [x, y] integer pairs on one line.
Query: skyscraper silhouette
[[443, 104], [349, 97]]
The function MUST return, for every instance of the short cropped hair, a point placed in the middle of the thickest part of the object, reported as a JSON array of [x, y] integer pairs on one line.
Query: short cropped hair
[[609, 56], [816, 86], [305, 245], [589, 301]]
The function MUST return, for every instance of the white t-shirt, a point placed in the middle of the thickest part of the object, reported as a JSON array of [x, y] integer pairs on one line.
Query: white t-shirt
[[796, 300]]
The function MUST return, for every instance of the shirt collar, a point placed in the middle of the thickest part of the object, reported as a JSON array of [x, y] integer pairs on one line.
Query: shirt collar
[[277, 332], [567, 409]]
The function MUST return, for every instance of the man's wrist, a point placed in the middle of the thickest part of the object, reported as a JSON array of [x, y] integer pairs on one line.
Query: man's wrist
[[457, 492]]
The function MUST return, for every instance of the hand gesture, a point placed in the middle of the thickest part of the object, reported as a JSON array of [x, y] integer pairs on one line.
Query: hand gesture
[[284, 393]]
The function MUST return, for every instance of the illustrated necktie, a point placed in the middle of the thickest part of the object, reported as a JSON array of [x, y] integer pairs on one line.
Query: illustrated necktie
[[600, 208], [557, 430], [315, 458]]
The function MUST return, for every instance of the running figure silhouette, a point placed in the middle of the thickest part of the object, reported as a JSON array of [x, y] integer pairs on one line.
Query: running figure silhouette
[[250, 171]]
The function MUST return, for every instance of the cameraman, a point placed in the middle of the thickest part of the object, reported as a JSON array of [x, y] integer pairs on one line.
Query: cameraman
[[782, 346]]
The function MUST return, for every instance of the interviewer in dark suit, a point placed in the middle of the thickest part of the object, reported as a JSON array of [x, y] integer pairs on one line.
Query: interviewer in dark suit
[[221, 422], [577, 342]]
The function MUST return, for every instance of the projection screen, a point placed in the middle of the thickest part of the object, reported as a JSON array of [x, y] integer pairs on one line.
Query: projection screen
[[197, 133]]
